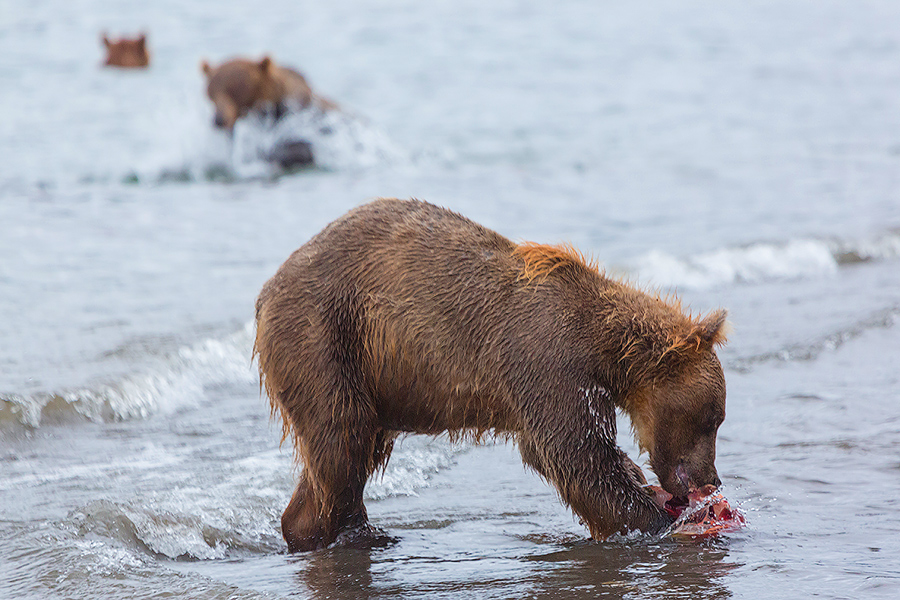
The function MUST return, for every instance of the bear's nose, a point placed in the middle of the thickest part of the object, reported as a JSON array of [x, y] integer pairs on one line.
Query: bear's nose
[[219, 120]]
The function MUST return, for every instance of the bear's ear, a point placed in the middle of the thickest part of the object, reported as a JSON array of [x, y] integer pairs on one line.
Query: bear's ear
[[703, 335], [142, 40], [204, 66], [265, 65], [105, 39], [712, 330]]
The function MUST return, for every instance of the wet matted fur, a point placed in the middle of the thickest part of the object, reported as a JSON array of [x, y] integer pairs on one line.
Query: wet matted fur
[[403, 317]]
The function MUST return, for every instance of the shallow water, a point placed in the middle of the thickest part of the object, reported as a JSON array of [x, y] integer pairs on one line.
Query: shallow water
[[743, 154]]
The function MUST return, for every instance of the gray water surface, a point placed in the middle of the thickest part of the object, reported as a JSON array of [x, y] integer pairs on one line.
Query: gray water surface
[[744, 155]]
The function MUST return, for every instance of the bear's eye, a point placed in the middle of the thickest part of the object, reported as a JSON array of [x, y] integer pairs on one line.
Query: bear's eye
[[712, 420]]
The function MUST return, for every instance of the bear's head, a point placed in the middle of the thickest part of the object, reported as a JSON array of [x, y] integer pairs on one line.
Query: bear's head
[[238, 86], [677, 409], [126, 53]]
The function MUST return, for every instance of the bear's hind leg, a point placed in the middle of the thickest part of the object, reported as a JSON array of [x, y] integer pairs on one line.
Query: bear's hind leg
[[317, 515], [338, 456], [300, 523]]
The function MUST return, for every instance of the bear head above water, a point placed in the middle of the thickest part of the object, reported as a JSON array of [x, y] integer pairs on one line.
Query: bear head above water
[[240, 86], [126, 53]]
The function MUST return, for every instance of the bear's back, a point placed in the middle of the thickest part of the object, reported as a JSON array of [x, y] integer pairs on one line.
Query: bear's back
[[389, 242]]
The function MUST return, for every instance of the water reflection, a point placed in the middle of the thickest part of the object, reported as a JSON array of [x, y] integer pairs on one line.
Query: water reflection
[[338, 573], [580, 570], [670, 570]]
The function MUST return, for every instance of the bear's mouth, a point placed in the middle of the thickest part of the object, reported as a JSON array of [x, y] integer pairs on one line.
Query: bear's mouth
[[673, 505], [676, 505]]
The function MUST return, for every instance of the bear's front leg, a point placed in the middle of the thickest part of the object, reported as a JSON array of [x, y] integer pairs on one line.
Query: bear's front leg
[[607, 491], [576, 450]]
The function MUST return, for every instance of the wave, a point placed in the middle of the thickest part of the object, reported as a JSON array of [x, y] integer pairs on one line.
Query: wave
[[413, 463], [238, 511], [165, 528], [176, 380], [755, 263], [883, 247], [882, 319]]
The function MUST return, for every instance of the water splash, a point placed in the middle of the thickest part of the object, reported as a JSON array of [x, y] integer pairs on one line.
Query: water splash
[[337, 140]]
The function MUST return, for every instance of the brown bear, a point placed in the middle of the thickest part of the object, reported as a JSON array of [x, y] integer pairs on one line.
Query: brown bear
[[239, 86], [403, 317], [126, 53]]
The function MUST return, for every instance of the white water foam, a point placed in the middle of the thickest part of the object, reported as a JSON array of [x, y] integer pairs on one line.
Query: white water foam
[[413, 463], [795, 259], [186, 147], [339, 141], [175, 381], [750, 264], [239, 510], [221, 514], [880, 247]]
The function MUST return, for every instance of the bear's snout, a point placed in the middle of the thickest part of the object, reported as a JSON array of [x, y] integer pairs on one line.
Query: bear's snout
[[219, 121], [690, 481]]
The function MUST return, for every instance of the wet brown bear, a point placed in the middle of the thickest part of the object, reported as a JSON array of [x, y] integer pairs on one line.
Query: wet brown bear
[[126, 53], [402, 317], [239, 86]]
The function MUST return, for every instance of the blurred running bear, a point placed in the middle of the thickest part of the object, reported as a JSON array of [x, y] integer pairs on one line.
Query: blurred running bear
[[127, 53], [403, 317], [240, 86]]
